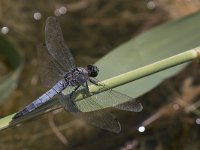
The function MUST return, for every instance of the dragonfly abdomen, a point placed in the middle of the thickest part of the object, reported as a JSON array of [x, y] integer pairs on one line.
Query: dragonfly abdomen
[[57, 88]]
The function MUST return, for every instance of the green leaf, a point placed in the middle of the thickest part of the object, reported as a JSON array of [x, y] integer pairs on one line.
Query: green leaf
[[9, 81], [161, 42]]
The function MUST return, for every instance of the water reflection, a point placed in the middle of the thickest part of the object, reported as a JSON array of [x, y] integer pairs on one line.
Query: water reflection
[[141, 129], [37, 16], [4, 30]]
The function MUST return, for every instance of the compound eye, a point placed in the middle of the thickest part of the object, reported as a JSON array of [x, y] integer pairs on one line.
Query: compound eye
[[95, 71], [90, 67]]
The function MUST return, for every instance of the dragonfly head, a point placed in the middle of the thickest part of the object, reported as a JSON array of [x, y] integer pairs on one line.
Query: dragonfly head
[[92, 70]]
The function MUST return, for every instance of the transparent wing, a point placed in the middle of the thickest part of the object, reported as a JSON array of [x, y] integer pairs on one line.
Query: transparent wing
[[56, 44], [129, 104], [99, 118], [132, 105], [49, 69], [112, 98]]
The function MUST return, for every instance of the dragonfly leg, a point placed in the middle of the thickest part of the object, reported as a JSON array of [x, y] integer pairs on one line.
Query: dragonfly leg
[[87, 88], [72, 94], [87, 93], [95, 82]]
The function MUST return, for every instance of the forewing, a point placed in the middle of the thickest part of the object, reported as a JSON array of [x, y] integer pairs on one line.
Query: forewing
[[49, 69], [56, 44], [112, 98], [99, 118], [131, 104]]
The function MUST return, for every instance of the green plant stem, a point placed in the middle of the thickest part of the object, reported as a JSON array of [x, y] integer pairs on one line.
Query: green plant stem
[[146, 70], [123, 79]]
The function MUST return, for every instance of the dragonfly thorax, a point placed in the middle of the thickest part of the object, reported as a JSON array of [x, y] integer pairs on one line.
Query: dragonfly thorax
[[76, 76]]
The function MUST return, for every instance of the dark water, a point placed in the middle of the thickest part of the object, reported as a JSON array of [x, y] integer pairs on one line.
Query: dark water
[[4, 66]]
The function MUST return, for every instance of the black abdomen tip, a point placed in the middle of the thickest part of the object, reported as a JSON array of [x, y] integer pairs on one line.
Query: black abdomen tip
[[20, 113]]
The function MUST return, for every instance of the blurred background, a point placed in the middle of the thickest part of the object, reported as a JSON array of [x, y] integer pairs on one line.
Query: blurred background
[[91, 29]]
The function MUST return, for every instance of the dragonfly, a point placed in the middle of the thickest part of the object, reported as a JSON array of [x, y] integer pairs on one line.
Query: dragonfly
[[59, 72]]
